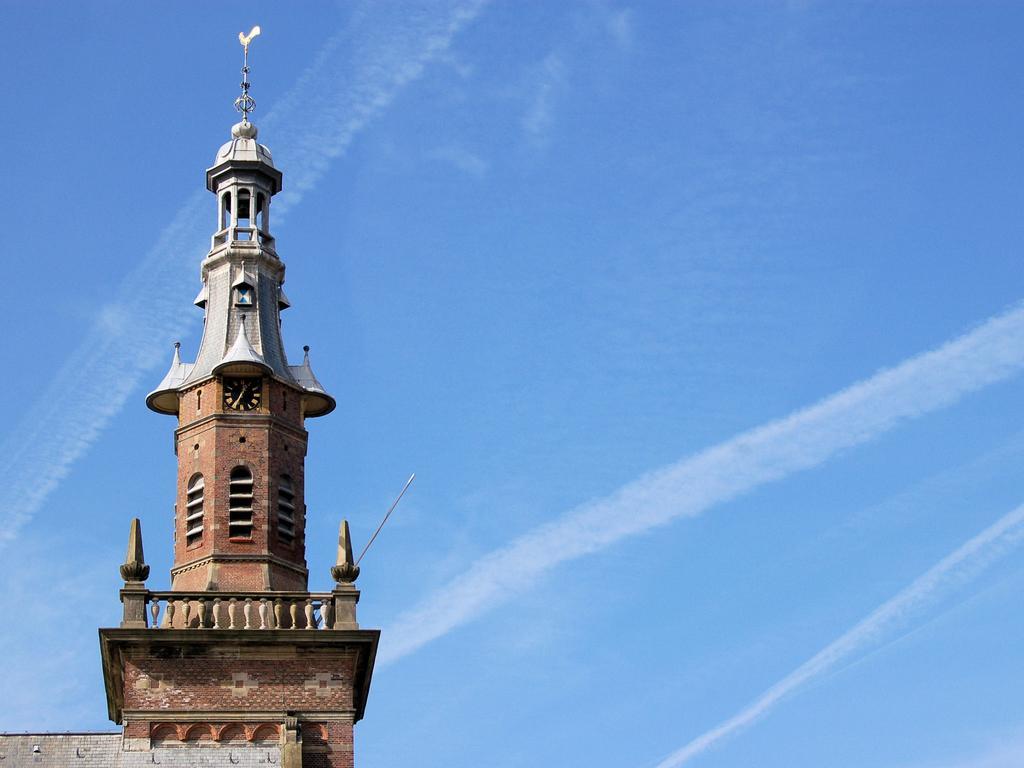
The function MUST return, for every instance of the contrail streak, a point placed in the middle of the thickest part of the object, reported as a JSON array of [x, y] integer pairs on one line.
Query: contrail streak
[[956, 568], [992, 352], [313, 124]]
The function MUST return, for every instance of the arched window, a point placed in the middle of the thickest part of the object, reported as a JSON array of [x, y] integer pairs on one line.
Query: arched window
[[240, 504], [285, 510], [194, 511]]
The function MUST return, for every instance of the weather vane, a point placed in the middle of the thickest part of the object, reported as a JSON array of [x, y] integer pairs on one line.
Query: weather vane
[[246, 103]]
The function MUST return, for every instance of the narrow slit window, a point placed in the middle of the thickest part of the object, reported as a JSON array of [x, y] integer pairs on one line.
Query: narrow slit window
[[194, 511], [240, 504], [286, 510]]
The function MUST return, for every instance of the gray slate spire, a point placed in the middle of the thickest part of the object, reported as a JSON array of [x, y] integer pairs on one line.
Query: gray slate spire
[[242, 277]]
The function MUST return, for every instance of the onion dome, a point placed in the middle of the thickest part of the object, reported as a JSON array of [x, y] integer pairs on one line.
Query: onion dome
[[243, 152]]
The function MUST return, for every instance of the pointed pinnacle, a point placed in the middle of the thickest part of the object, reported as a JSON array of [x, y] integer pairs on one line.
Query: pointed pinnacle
[[134, 567], [346, 571]]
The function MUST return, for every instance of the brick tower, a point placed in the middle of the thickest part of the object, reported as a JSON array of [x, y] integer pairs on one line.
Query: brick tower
[[238, 654]]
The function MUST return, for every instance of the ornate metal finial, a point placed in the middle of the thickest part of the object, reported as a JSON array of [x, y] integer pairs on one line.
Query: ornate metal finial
[[245, 103], [134, 567], [346, 571]]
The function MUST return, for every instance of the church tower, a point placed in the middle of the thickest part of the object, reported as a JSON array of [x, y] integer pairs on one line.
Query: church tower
[[239, 653]]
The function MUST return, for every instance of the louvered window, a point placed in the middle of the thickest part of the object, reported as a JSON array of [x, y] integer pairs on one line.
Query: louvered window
[[240, 504], [194, 510], [285, 510]]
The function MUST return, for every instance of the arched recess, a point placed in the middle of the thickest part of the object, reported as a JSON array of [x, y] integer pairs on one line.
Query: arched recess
[[232, 732], [314, 733], [266, 734], [199, 732], [164, 733]]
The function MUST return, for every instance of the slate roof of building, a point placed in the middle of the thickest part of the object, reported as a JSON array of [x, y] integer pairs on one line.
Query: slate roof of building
[[103, 750]]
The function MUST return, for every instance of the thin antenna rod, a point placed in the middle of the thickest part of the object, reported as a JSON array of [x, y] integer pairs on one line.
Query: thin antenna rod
[[404, 489]]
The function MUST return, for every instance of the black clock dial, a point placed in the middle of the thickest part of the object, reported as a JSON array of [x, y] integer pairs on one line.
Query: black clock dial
[[242, 394]]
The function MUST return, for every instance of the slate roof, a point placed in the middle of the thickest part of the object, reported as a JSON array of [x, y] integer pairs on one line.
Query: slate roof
[[103, 750]]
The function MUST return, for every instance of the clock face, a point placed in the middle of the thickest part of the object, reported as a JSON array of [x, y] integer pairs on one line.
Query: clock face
[[242, 394]]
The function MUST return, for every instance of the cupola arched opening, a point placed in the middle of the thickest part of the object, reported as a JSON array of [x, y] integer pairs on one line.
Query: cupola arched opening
[[225, 210], [261, 212], [243, 217]]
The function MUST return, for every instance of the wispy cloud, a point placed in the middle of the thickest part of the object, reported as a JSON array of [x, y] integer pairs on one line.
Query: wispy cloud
[[463, 159], [619, 24], [334, 99], [539, 115], [990, 353], [953, 570], [1007, 753]]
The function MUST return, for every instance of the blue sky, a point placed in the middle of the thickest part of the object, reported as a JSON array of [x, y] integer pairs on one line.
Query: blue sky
[[699, 323]]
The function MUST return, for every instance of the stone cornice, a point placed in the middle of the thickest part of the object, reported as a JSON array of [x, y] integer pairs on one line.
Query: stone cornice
[[244, 420], [223, 557], [115, 641]]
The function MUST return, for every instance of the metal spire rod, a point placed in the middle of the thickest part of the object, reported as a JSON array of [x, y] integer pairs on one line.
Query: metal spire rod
[[404, 489], [245, 103]]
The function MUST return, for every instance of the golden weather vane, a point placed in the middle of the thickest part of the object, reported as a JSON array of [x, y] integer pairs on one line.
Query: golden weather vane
[[245, 103]]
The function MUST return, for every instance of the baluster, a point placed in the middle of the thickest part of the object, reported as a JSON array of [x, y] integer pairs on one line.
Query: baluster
[[263, 613], [231, 613], [327, 612], [278, 612], [293, 613], [169, 613], [202, 612], [247, 612], [186, 610], [154, 610], [310, 624], [216, 613]]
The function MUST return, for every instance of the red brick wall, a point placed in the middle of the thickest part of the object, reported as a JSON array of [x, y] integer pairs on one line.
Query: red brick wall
[[185, 696], [270, 442], [234, 679]]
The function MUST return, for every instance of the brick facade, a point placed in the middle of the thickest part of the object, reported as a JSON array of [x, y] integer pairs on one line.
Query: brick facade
[[271, 443]]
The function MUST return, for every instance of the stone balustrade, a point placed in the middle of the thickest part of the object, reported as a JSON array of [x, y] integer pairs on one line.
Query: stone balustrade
[[239, 611]]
